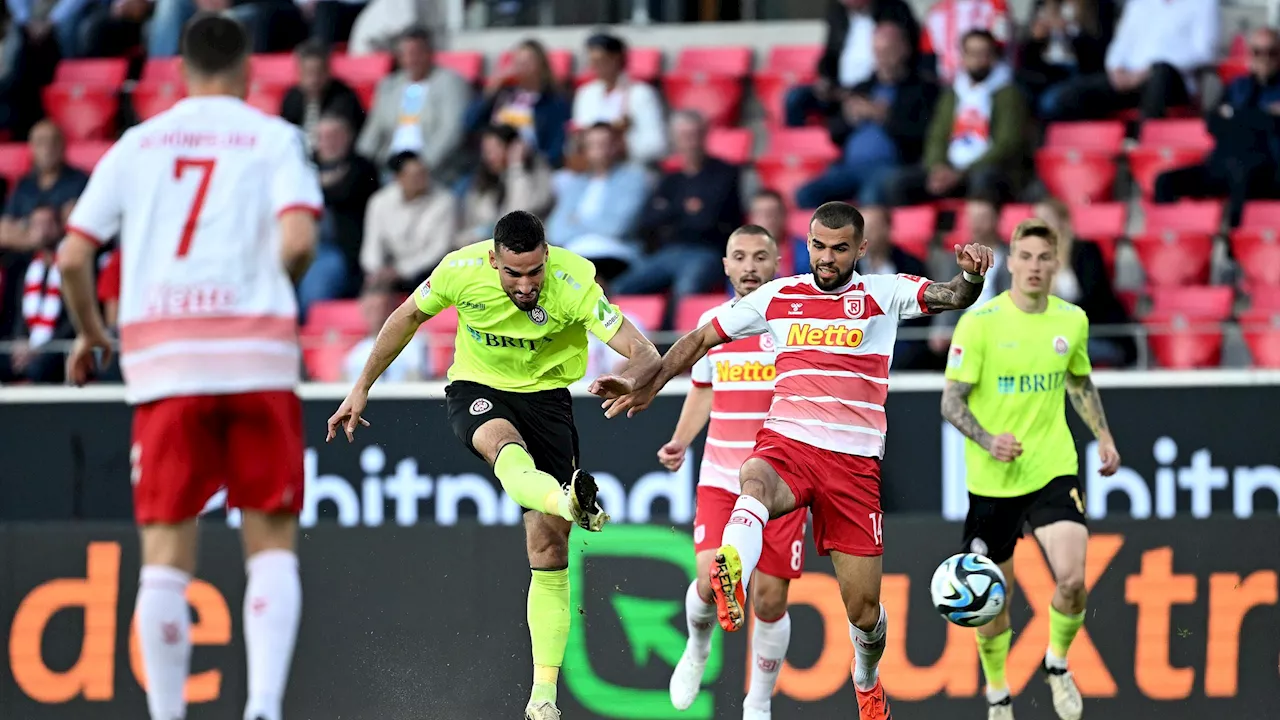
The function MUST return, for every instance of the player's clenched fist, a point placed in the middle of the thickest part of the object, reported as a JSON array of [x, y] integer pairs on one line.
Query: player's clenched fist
[[348, 416], [1005, 447], [1109, 456], [974, 258], [671, 456]]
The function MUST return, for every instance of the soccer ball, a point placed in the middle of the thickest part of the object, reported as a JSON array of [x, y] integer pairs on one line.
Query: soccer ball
[[968, 589]]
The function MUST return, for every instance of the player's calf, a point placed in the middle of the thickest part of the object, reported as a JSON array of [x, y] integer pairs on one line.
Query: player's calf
[[769, 641]]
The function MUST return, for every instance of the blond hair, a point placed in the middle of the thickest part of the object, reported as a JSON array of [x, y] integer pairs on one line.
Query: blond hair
[[1035, 227]]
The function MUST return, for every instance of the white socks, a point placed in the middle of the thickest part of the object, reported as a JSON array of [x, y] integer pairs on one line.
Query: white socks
[[272, 609], [867, 649], [769, 643], [745, 532], [701, 619], [164, 630]]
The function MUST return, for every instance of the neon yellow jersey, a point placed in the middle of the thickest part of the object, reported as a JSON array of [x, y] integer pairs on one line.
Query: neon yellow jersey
[[1017, 363], [504, 348]]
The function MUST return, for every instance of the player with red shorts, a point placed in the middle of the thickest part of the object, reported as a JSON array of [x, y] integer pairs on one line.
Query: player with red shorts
[[215, 205], [732, 387], [821, 445]]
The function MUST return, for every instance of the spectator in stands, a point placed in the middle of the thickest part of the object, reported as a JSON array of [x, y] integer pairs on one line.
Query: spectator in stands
[[631, 106], [331, 20], [35, 332], [1083, 279], [29, 57], [348, 182], [598, 209], [112, 28], [982, 217], [1150, 64], [1066, 38], [769, 210], [51, 182], [977, 144], [524, 95], [381, 22], [413, 363], [418, 109], [847, 59], [274, 25], [948, 22], [686, 221], [510, 177], [409, 226], [318, 92], [1245, 160], [881, 126], [38, 20], [885, 258]]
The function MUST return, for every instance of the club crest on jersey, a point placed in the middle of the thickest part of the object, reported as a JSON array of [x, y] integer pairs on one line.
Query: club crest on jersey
[[1060, 345], [854, 304], [538, 315], [481, 406], [766, 343]]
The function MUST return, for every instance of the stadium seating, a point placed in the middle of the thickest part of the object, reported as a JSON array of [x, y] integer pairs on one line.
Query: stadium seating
[[341, 315], [561, 62], [794, 157], [1185, 326], [1166, 145], [647, 310], [692, 307], [912, 229], [1261, 330], [361, 69], [1176, 246], [709, 81], [1102, 223], [643, 65], [324, 351], [15, 161], [152, 98], [82, 111], [1260, 214], [441, 334], [267, 97], [162, 70], [786, 67], [1258, 254], [104, 73], [277, 69], [732, 145], [85, 155], [470, 65], [1077, 162]]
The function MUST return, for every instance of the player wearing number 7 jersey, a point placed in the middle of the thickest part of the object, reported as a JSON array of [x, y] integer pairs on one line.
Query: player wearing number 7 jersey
[[821, 444], [214, 204]]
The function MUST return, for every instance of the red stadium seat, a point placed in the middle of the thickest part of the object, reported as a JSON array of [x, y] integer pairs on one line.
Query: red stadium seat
[[1203, 216], [798, 221], [1103, 223], [109, 72], [1010, 216], [1077, 176], [717, 98], [1265, 298], [1257, 252], [470, 65], [152, 98], [1261, 330], [794, 157], [731, 61], [441, 333], [647, 310], [276, 69], [324, 351], [158, 70], [561, 62], [786, 67], [692, 307], [361, 69], [1203, 302], [1101, 135], [1231, 69], [732, 145], [807, 141], [912, 229], [267, 97], [83, 112], [85, 155], [1185, 325], [15, 161], [1173, 259], [1261, 214], [341, 315], [1166, 145], [643, 65]]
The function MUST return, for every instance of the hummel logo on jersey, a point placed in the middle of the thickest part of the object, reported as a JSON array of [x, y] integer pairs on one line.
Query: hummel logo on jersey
[[797, 309]]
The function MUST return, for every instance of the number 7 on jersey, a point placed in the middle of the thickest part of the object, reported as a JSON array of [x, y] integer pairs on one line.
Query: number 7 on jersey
[[205, 168]]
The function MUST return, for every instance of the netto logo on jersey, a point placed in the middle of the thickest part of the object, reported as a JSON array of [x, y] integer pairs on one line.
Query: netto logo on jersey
[[1030, 383], [832, 336], [753, 371]]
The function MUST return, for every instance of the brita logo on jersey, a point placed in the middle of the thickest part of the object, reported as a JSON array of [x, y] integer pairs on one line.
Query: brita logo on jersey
[[753, 371], [832, 336], [1029, 383], [489, 339]]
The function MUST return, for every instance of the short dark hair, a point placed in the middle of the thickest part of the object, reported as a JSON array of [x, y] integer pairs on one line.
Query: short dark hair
[[771, 194], [214, 44], [751, 229], [519, 232], [611, 44], [312, 49], [835, 215], [417, 32], [985, 35], [397, 162]]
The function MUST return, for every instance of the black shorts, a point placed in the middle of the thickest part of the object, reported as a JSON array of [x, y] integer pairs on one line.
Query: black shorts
[[543, 418], [994, 524]]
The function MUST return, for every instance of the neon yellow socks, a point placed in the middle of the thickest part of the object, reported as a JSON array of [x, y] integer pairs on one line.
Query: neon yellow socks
[[548, 616], [1062, 631], [527, 485], [993, 652]]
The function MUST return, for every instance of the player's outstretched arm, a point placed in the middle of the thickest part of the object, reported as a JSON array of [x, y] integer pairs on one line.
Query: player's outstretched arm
[[687, 351], [1087, 401], [962, 290], [75, 265], [641, 365], [955, 409], [396, 332]]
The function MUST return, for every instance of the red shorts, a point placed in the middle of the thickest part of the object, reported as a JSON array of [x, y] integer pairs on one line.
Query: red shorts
[[186, 449], [783, 555], [842, 490]]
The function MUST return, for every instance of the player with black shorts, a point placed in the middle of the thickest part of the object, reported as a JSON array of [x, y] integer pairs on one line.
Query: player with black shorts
[[524, 311], [1011, 362]]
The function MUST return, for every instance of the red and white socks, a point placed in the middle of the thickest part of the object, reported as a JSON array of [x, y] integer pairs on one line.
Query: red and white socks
[[745, 532], [769, 641], [164, 631], [272, 610]]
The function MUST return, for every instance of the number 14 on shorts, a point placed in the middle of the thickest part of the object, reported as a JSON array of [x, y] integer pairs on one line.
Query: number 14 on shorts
[[877, 528]]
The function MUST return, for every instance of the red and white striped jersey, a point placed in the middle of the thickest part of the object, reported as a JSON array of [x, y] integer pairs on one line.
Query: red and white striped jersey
[[740, 373], [834, 351], [206, 307], [947, 22]]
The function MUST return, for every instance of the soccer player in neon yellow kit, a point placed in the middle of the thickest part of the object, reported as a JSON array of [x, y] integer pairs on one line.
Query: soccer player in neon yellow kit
[[524, 311], [1011, 362]]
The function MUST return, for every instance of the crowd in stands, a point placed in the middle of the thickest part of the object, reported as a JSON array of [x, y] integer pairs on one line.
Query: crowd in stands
[[952, 125]]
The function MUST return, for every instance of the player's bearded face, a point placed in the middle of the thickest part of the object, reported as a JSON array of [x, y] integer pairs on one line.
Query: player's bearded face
[[833, 254], [521, 275]]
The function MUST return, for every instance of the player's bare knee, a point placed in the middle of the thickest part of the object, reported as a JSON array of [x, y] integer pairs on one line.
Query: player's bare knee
[[756, 477], [268, 531], [491, 437], [863, 612], [170, 545], [1071, 588], [769, 597]]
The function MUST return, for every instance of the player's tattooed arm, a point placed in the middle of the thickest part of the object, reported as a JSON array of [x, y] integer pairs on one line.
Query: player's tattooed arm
[[955, 409], [1087, 401], [956, 294]]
